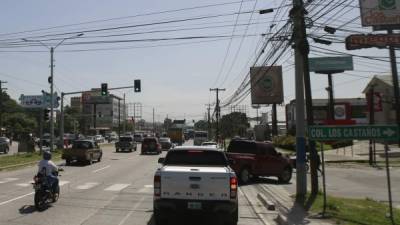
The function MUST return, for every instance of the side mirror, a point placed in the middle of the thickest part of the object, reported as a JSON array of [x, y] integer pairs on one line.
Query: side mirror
[[161, 160], [231, 161]]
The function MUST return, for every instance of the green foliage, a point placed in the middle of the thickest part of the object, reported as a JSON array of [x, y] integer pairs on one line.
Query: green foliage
[[201, 125], [286, 142], [347, 211], [19, 123], [234, 124]]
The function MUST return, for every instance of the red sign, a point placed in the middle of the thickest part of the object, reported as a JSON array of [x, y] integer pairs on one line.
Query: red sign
[[359, 41], [377, 101], [339, 122]]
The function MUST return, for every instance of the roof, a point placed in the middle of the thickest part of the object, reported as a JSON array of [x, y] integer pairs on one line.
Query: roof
[[195, 148], [383, 79]]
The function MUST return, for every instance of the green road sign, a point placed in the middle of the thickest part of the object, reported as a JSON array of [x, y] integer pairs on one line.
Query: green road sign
[[328, 64], [355, 132]]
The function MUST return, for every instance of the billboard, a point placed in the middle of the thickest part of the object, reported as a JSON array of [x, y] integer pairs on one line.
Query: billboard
[[358, 41], [266, 85], [38, 101], [330, 64], [380, 12]]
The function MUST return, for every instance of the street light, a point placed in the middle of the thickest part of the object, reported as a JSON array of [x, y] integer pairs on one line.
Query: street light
[[51, 81]]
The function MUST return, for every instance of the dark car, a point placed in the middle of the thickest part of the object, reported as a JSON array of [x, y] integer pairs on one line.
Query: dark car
[[166, 143], [125, 143], [150, 145], [4, 145], [254, 158]]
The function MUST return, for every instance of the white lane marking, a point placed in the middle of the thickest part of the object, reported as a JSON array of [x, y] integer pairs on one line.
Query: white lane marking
[[146, 189], [24, 184], [95, 171], [6, 180], [63, 182], [132, 211], [14, 199], [148, 186], [116, 187], [87, 186]]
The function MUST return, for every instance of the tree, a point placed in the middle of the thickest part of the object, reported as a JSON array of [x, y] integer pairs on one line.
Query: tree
[[233, 124], [19, 123], [201, 125]]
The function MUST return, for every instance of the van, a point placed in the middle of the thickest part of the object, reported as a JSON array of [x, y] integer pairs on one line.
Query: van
[[200, 137]]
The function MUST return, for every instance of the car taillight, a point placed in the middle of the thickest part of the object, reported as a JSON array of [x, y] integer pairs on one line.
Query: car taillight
[[157, 185], [233, 186]]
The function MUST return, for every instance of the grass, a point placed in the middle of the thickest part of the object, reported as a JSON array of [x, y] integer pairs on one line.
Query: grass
[[345, 211], [24, 158]]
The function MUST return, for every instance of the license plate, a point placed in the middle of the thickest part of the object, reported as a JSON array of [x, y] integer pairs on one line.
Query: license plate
[[194, 205]]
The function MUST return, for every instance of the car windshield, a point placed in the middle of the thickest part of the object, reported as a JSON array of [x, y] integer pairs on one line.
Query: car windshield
[[200, 135], [127, 139], [82, 145], [208, 143], [195, 157], [149, 140]]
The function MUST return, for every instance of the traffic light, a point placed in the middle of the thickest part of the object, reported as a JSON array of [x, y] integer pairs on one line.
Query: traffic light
[[137, 86], [104, 89], [46, 114]]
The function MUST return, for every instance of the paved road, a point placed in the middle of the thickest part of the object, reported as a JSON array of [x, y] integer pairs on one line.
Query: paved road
[[118, 190]]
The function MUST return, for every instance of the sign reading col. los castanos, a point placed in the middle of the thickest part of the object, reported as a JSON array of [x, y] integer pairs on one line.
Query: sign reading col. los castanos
[[266, 85], [380, 12], [355, 132]]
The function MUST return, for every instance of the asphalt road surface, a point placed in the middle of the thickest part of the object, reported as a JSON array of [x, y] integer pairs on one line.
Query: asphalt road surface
[[118, 190]]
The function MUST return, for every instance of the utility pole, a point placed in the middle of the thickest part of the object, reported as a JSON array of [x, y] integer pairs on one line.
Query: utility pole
[[209, 119], [331, 98], [297, 15], [371, 122], [217, 111], [124, 129], [52, 99], [395, 81], [274, 121], [1, 101], [154, 128]]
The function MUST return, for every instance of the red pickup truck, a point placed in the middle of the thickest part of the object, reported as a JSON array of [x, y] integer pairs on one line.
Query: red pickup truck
[[252, 158]]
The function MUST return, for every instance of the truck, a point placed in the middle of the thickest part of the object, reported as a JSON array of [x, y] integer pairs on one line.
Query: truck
[[82, 151], [200, 137], [176, 135], [198, 180], [251, 159], [125, 143]]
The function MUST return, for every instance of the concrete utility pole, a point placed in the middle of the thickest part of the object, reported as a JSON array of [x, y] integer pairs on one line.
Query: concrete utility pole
[[297, 15], [154, 125], [274, 121], [395, 81], [209, 119], [217, 111], [124, 127], [1, 101]]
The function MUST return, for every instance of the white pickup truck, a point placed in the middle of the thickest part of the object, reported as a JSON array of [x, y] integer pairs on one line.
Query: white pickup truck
[[195, 180]]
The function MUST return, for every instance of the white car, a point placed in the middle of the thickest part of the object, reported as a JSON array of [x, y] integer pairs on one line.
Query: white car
[[210, 144], [198, 180]]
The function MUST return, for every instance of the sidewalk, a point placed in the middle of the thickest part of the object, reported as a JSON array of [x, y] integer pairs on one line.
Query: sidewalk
[[288, 211]]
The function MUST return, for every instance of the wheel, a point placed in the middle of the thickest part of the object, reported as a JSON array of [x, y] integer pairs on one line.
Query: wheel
[[233, 218], [245, 175], [67, 162], [160, 218], [90, 161], [40, 200], [286, 175], [6, 150], [130, 150], [117, 150], [99, 159], [56, 195]]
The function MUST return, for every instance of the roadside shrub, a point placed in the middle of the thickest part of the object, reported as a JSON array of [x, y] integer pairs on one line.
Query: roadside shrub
[[286, 142]]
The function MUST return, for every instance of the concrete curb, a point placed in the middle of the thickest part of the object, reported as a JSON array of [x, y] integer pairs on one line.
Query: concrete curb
[[267, 203], [281, 219], [17, 165]]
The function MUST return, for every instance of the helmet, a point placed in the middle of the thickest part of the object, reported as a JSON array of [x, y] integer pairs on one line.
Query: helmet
[[46, 155]]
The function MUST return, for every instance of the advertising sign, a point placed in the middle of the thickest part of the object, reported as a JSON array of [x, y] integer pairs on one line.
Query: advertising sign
[[266, 85], [330, 64], [340, 112], [377, 101], [380, 12], [358, 41], [38, 101], [355, 132]]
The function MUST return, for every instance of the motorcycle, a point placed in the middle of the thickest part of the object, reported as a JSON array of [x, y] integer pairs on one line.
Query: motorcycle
[[44, 194]]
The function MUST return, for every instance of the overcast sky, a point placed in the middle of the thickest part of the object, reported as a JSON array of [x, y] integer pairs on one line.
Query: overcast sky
[[176, 74]]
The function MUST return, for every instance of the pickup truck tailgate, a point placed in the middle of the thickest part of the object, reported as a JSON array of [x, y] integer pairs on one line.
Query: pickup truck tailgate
[[197, 183]]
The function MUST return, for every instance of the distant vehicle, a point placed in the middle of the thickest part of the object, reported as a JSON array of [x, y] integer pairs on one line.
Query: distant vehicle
[[200, 137], [125, 143], [176, 135], [254, 158], [138, 137], [99, 138], [4, 145], [195, 180], [112, 137], [166, 143], [210, 144], [82, 151], [150, 145], [92, 138]]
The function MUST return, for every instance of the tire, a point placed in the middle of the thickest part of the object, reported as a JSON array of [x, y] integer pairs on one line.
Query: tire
[[99, 159], [245, 175], [67, 162], [40, 201], [233, 218], [130, 150], [285, 176], [160, 218], [56, 195], [117, 150], [90, 161], [6, 150]]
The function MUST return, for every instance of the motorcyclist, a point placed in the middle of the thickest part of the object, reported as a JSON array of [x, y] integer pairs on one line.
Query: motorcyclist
[[50, 170]]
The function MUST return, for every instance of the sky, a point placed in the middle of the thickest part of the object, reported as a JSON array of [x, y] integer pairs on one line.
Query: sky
[[176, 75]]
